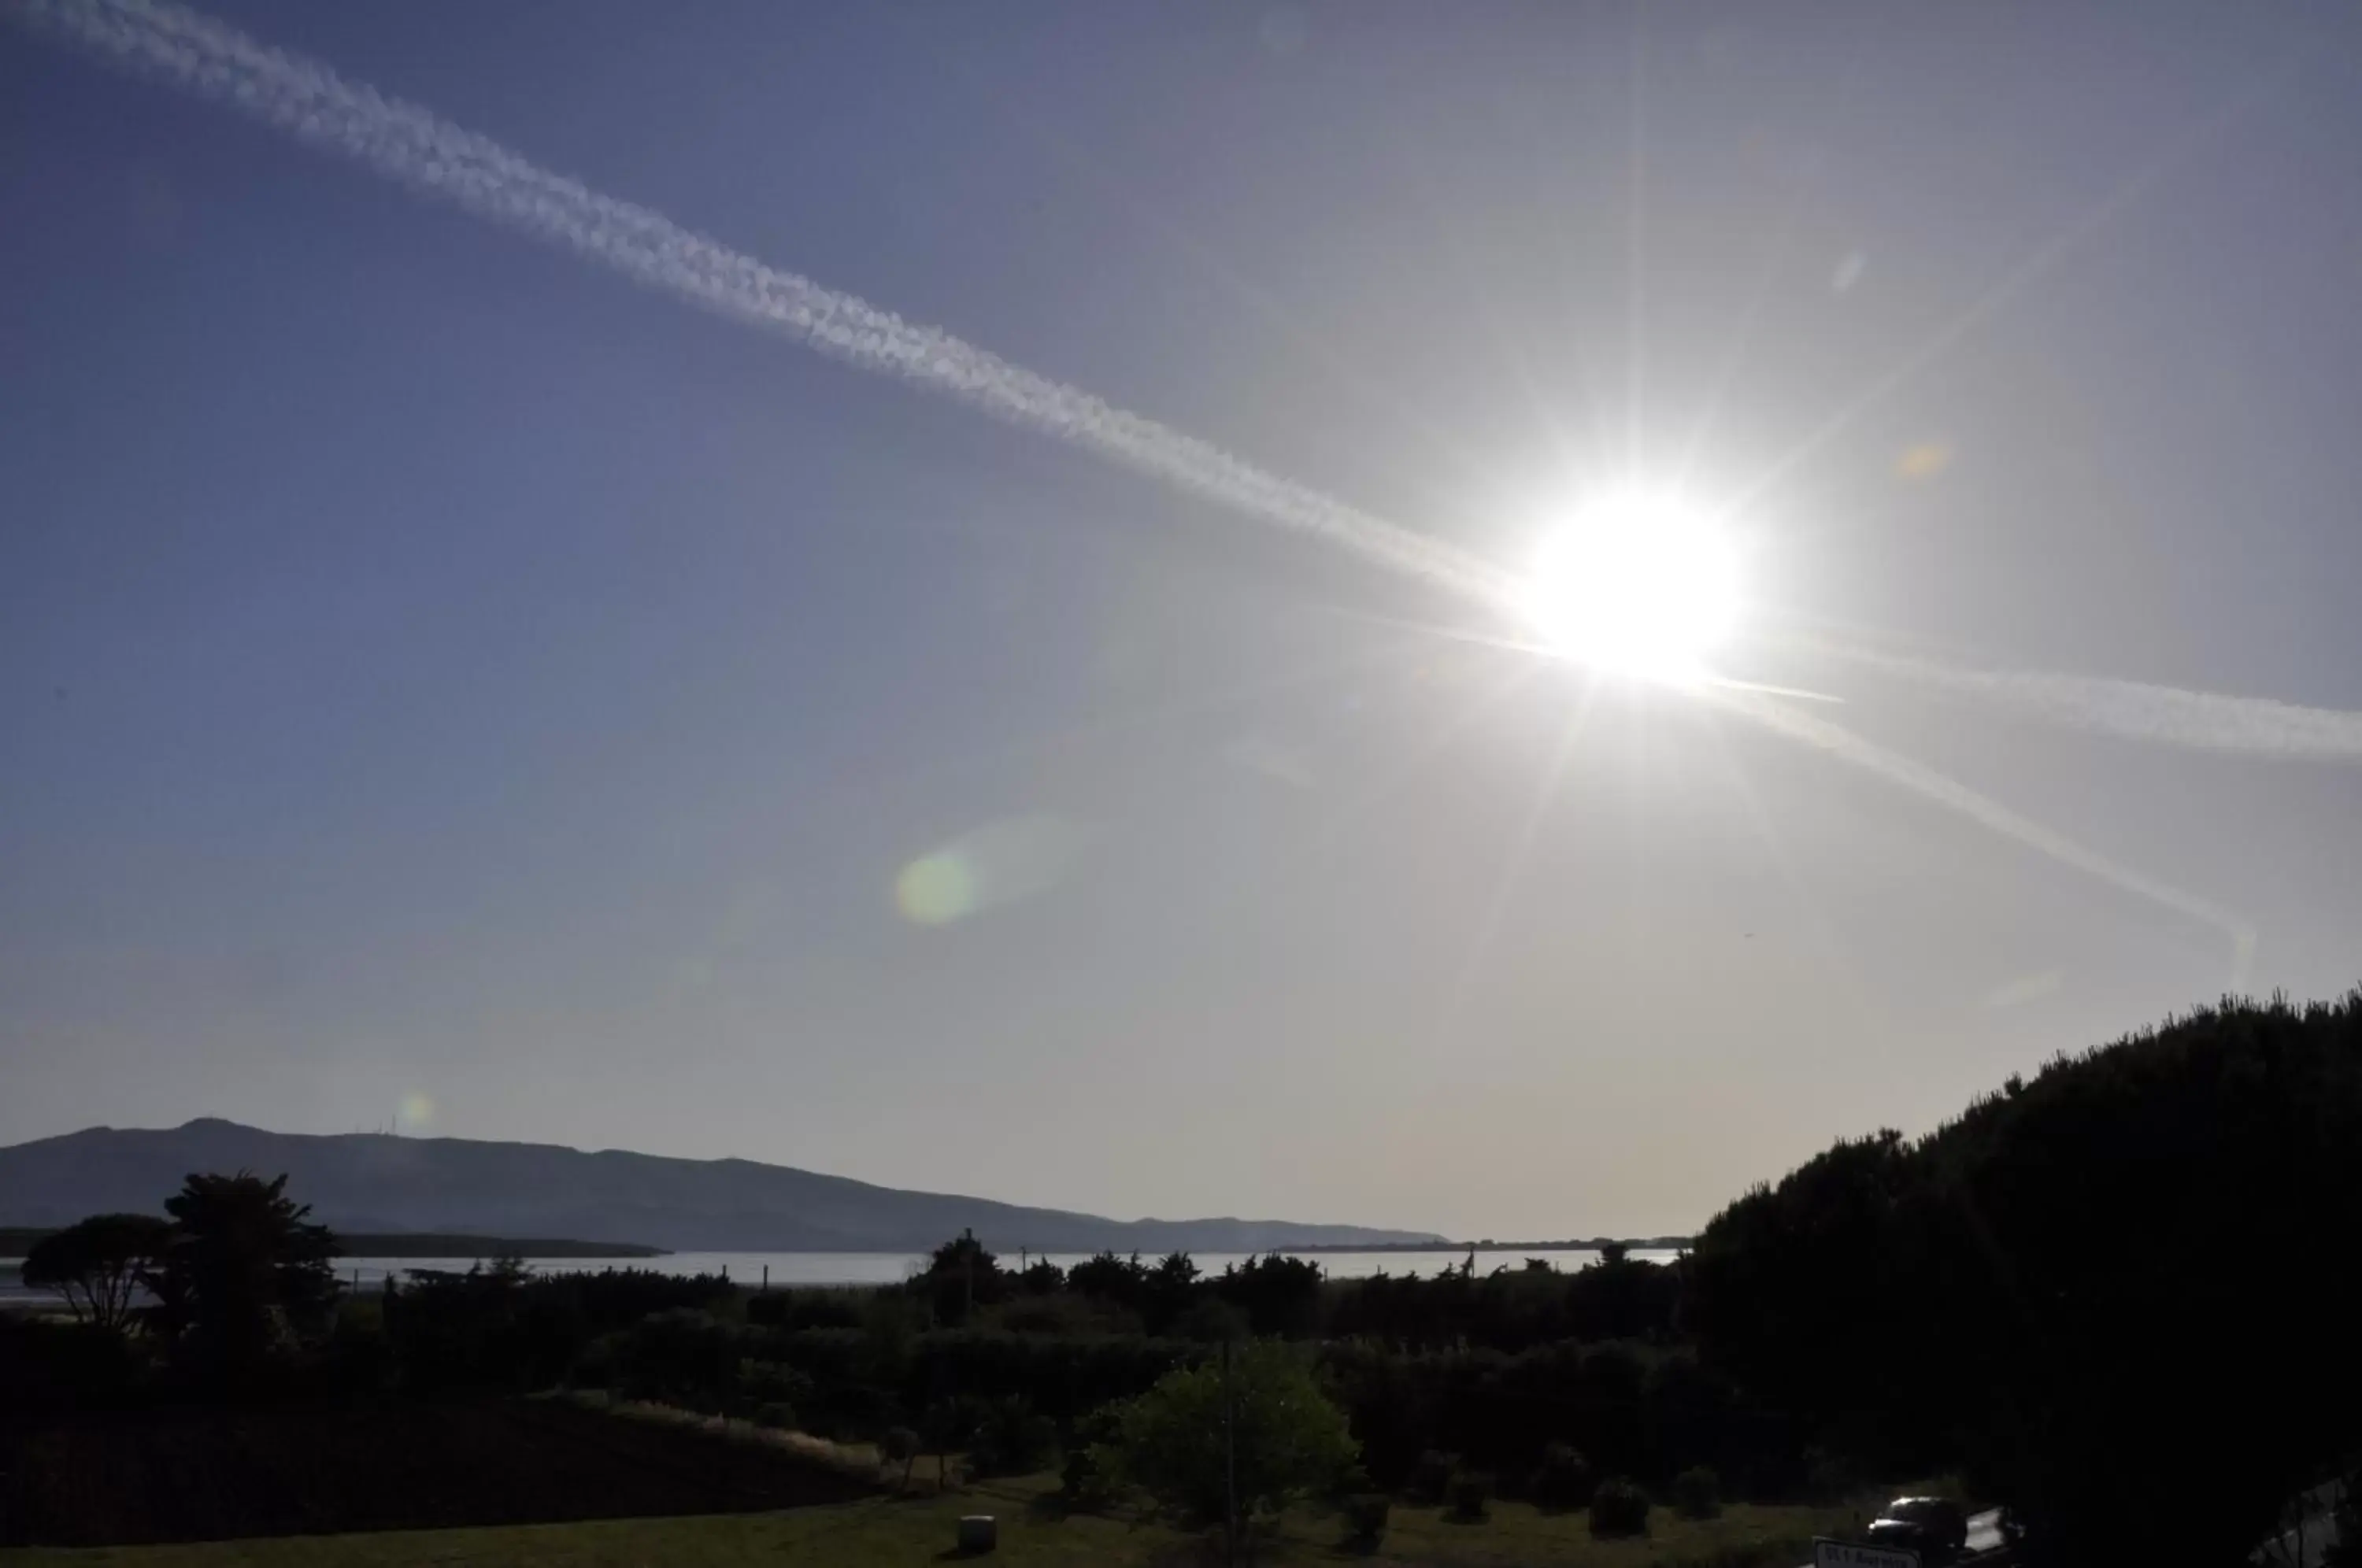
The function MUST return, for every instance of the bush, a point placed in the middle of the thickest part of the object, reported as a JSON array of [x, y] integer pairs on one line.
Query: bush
[[681, 1356], [1260, 1430], [1209, 1319], [1082, 1485], [1827, 1476], [1563, 1479], [1430, 1477], [828, 1308], [1010, 1439], [1471, 1490], [775, 1415], [1365, 1521], [1697, 1493], [770, 1383], [1618, 1507]]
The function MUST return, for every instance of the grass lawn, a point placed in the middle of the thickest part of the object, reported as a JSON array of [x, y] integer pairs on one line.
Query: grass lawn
[[919, 1528]]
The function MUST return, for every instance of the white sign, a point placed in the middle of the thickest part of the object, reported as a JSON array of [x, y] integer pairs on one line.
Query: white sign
[[1827, 1553]]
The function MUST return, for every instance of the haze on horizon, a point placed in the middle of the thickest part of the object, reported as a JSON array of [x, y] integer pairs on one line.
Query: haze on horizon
[[443, 686]]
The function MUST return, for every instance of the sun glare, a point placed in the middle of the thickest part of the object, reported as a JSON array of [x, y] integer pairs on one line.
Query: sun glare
[[1637, 583]]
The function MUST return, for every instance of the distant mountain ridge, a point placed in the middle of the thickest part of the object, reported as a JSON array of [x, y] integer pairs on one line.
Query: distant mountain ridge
[[367, 1181]]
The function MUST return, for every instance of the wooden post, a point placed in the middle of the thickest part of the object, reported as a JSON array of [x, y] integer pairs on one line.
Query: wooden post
[[1230, 1462]]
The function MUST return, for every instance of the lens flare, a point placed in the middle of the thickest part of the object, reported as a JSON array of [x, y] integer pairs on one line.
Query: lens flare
[[1637, 583], [995, 863]]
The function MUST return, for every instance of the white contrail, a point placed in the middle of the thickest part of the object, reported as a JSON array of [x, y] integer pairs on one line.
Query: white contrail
[[410, 144], [1811, 730], [2133, 710]]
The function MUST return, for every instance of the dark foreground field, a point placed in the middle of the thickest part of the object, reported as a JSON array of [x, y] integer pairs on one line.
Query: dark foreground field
[[122, 1478], [887, 1531]]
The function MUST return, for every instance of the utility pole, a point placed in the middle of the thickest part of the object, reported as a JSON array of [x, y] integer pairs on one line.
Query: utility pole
[[1230, 1462]]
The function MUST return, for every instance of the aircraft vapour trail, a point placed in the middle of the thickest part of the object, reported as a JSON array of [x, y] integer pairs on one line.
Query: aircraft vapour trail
[[310, 101], [2133, 710], [1810, 729]]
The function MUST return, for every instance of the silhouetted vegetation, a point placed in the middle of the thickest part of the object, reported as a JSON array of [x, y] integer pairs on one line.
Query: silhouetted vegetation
[[1563, 1479], [1254, 1429], [2035, 1291], [1618, 1507], [960, 1277], [245, 1278], [100, 1265], [2345, 1514], [1697, 1493], [498, 1328], [2023, 1296]]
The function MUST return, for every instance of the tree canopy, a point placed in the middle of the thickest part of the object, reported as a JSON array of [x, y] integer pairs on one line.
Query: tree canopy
[[245, 1273], [1264, 1420], [100, 1264], [2117, 1292]]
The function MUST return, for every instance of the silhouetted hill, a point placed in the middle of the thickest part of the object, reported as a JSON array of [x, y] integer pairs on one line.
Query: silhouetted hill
[[15, 1241], [360, 1181]]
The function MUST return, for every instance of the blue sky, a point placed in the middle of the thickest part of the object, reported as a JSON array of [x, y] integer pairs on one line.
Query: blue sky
[[441, 682]]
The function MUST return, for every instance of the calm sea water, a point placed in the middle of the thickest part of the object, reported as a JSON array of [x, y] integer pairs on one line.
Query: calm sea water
[[887, 1268]]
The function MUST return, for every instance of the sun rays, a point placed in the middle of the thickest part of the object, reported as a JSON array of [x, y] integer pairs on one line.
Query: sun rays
[[1638, 585]]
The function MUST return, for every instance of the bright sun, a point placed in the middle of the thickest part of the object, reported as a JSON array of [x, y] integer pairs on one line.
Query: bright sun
[[1637, 583]]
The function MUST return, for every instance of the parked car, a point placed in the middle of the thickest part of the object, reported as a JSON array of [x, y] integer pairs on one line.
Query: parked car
[[1934, 1527]]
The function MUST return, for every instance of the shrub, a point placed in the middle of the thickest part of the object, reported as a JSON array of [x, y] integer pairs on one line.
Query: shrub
[[1470, 1491], [770, 1383], [1365, 1521], [1827, 1476], [681, 1355], [827, 1308], [1209, 1319], [1618, 1507], [1046, 1315], [1697, 1493], [1563, 1479], [1260, 1430], [1430, 1477], [1010, 1439], [1082, 1485], [775, 1415]]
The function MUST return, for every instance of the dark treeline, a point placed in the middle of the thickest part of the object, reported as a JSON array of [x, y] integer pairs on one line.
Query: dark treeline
[[2014, 1298], [1495, 1364], [2123, 1295]]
